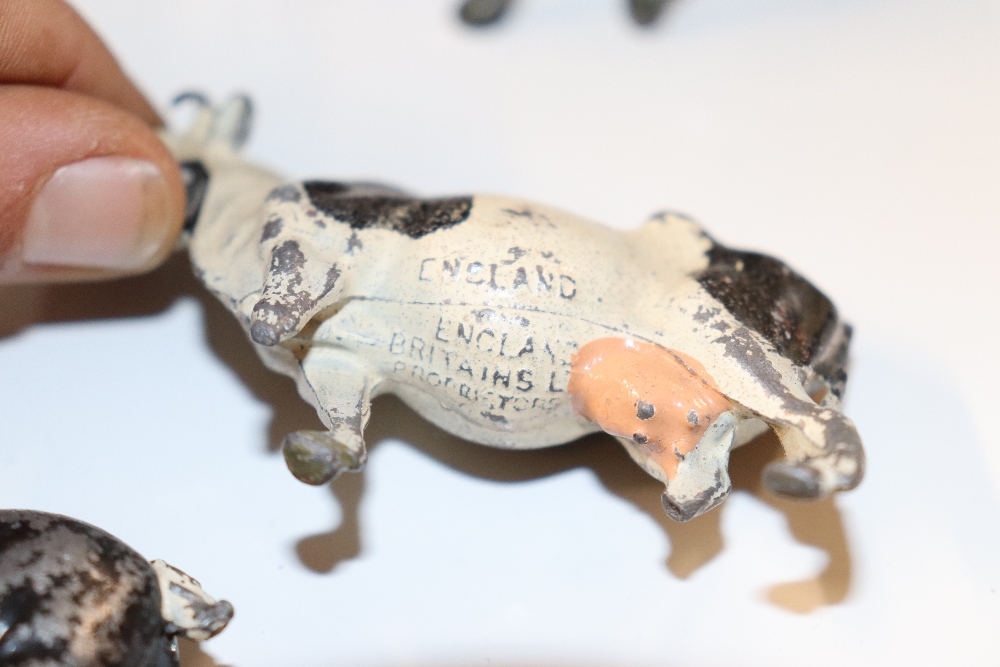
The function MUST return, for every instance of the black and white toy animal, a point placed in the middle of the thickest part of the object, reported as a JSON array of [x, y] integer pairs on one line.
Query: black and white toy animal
[[517, 325], [72, 595]]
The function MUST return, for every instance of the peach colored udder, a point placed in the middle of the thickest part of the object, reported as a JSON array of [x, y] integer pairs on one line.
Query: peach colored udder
[[662, 400]]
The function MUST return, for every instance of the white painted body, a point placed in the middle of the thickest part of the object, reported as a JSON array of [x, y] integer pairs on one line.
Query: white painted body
[[474, 324]]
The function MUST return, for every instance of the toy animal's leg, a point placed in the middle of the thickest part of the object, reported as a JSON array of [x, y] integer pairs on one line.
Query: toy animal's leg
[[645, 12], [299, 284], [822, 446], [702, 478], [823, 450], [340, 389], [304, 273], [483, 12]]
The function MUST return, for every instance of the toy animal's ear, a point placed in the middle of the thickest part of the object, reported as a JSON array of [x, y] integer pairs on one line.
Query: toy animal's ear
[[233, 122], [196, 130], [214, 134], [228, 124]]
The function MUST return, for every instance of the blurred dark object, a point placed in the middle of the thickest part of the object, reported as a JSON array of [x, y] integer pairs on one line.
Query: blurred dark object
[[645, 12], [488, 12], [483, 12]]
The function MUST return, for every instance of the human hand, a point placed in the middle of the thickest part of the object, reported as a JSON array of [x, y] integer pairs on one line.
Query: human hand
[[87, 190]]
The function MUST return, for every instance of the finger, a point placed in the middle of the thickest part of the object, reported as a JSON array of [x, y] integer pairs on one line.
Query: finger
[[45, 42], [87, 190]]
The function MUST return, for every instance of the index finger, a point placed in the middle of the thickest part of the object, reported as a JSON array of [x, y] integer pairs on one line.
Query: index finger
[[45, 42]]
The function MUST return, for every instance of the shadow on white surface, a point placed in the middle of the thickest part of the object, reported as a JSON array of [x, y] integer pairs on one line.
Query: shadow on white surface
[[193, 656], [693, 544]]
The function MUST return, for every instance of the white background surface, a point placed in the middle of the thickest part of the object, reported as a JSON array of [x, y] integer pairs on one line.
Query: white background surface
[[856, 139]]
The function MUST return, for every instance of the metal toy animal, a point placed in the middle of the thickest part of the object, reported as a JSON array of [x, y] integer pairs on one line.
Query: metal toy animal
[[516, 325], [72, 595]]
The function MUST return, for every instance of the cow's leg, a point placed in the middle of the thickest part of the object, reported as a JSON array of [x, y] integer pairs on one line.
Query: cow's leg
[[483, 12], [308, 267], [340, 389], [645, 12], [701, 480], [822, 447], [823, 453]]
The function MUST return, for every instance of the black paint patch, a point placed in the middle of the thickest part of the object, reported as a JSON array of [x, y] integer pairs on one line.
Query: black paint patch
[[66, 586], [704, 315], [406, 215], [271, 229], [499, 419], [644, 410], [748, 353], [322, 190], [640, 438], [721, 325], [195, 178], [767, 296]]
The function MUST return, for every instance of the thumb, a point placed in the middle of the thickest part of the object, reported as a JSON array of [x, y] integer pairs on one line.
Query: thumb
[[87, 190]]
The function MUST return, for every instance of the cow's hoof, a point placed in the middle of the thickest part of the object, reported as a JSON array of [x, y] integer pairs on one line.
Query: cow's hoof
[[483, 12], [264, 334], [645, 12], [799, 482], [314, 457], [682, 511]]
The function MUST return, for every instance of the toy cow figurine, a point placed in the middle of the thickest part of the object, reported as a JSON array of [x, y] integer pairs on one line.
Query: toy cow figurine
[[516, 325], [72, 595]]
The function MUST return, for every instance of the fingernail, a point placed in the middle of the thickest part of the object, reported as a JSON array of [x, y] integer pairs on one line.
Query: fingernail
[[104, 212]]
